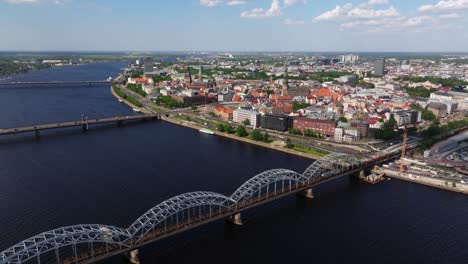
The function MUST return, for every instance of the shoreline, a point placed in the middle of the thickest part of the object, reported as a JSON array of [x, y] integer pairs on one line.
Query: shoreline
[[225, 135], [242, 139], [434, 183], [142, 109]]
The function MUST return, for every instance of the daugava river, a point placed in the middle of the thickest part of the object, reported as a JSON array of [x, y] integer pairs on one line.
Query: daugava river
[[111, 175]]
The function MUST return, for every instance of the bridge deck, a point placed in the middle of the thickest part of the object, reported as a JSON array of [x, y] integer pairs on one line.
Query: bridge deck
[[171, 230], [80, 123], [53, 82]]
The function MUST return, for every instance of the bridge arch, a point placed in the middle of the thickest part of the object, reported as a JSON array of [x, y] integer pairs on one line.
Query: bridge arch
[[71, 236], [183, 208], [330, 165], [261, 182]]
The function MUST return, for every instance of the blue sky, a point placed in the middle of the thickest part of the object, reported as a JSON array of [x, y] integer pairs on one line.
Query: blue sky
[[234, 25]]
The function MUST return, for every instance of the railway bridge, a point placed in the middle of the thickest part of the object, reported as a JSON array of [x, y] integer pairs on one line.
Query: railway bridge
[[94, 242]]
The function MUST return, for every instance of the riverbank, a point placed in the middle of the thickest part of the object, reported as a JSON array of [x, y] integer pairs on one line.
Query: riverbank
[[431, 182], [142, 109], [277, 147]]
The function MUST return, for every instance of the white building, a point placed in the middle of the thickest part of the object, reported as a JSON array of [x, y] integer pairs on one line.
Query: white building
[[240, 115], [349, 58]]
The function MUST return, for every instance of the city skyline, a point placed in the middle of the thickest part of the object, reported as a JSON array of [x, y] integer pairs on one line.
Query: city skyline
[[233, 25]]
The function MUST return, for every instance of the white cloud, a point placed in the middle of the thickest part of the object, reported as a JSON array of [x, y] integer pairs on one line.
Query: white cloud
[[365, 17], [236, 3], [288, 21], [444, 6], [377, 2], [293, 2], [334, 14], [450, 16], [372, 13], [273, 11], [210, 3]]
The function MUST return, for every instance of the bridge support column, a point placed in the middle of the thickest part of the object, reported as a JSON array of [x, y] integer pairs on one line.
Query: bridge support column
[[235, 219], [134, 257], [361, 174], [84, 127], [38, 134], [309, 194]]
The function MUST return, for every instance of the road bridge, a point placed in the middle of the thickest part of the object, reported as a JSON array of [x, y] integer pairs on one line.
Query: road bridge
[[84, 123], [68, 83], [91, 243]]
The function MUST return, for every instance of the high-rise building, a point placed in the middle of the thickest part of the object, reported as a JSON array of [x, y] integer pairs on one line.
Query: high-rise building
[[349, 58], [240, 115], [148, 65], [275, 122], [379, 67]]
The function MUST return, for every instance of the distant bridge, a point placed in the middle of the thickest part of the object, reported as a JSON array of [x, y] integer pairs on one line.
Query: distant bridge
[[90, 243], [84, 123], [71, 83]]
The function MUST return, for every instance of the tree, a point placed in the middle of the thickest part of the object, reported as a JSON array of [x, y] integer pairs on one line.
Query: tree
[[387, 130], [289, 144], [454, 184], [297, 106], [194, 107], [446, 183], [221, 128], [294, 131], [241, 131], [256, 135], [266, 137], [428, 115], [343, 119], [229, 129], [246, 122]]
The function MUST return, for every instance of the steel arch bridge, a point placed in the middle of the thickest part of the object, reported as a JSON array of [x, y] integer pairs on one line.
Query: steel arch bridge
[[253, 187], [173, 207], [62, 237], [89, 243]]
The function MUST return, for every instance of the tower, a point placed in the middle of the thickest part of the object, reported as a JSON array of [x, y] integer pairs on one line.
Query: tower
[[285, 81], [188, 77], [200, 73]]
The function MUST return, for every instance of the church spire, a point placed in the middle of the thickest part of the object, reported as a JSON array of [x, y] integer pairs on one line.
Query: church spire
[[200, 73], [285, 81]]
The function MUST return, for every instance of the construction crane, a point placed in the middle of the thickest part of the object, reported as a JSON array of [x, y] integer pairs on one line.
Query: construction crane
[[403, 147]]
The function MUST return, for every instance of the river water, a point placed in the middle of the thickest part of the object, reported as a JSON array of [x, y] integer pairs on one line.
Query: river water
[[111, 175]]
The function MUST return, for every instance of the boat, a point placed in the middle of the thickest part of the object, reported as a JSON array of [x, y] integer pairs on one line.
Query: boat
[[137, 110], [206, 131], [120, 101], [109, 79]]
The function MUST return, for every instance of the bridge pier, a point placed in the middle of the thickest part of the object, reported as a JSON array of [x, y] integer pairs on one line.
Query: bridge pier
[[85, 127], [309, 194], [235, 219], [361, 174], [38, 134], [134, 257]]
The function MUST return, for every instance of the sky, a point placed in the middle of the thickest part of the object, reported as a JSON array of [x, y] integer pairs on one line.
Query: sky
[[234, 25]]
